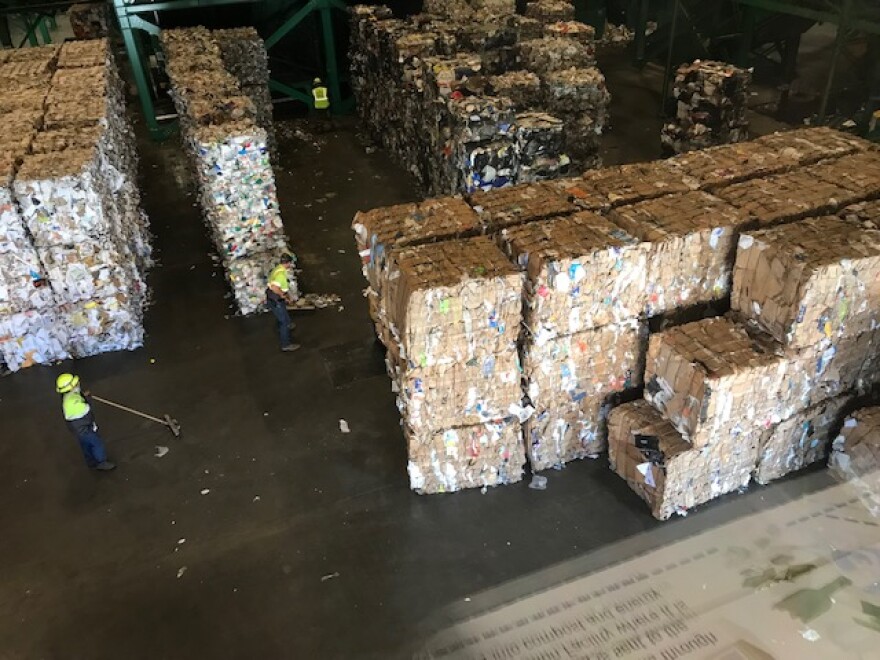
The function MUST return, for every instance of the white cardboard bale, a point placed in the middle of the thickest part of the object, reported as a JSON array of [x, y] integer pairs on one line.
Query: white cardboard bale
[[20, 271], [248, 276], [89, 270], [114, 323], [32, 337]]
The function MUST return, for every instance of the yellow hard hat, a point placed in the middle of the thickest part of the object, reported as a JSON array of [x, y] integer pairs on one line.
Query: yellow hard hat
[[65, 383], [316, 81]]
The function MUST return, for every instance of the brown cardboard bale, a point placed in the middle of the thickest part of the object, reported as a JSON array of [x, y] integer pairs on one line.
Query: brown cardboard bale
[[866, 214], [625, 184], [787, 197], [452, 301], [712, 381], [588, 364], [555, 54], [85, 53], [571, 30], [665, 470], [811, 281], [379, 230], [444, 76], [521, 87], [859, 173], [61, 139], [560, 434], [16, 70], [27, 100], [695, 235], [550, 11], [808, 145], [798, 441], [45, 54], [582, 193], [855, 455], [730, 163], [447, 460], [458, 393], [507, 207], [582, 272]]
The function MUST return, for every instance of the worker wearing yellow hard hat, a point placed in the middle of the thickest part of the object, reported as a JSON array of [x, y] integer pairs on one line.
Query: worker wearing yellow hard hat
[[278, 294], [321, 104], [81, 422]]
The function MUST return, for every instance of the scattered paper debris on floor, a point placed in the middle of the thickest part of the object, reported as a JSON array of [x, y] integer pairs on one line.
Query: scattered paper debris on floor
[[538, 482], [329, 576], [315, 301], [160, 451], [205, 491], [343, 426], [181, 571], [181, 541]]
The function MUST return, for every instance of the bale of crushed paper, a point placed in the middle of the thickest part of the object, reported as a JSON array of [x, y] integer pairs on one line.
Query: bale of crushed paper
[[550, 11], [855, 455]]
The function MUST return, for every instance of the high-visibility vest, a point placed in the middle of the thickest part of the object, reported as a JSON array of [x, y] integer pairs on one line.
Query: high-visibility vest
[[322, 102], [74, 406], [278, 276]]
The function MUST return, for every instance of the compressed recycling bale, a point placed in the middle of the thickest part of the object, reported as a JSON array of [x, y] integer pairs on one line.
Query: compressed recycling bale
[[811, 281], [808, 145], [593, 363], [498, 209], [88, 270], [571, 30], [32, 337], [712, 381], [730, 163], [59, 198], [445, 75], [711, 99], [448, 460], [61, 139], [582, 272], [459, 393], [21, 285], [523, 88], [27, 100], [858, 173], [478, 119], [486, 166], [855, 455], [577, 91], [866, 214], [113, 323], [244, 54], [550, 11], [634, 182], [540, 140], [568, 432], [47, 54], [696, 235], [85, 54], [798, 441], [665, 470], [787, 197], [452, 301], [555, 54], [380, 230], [238, 188]]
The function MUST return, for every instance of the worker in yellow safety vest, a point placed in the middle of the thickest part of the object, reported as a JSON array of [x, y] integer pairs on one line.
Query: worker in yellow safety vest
[[322, 102], [278, 295], [81, 421]]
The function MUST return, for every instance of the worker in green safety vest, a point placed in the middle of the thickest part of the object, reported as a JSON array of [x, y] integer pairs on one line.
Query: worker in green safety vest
[[81, 421], [278, 295], [322, 103]]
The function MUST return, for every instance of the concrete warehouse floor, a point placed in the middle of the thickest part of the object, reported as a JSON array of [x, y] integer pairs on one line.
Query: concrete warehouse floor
[[306, 542]]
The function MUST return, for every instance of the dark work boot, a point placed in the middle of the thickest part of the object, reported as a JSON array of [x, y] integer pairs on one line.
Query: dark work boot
[[290, 348]]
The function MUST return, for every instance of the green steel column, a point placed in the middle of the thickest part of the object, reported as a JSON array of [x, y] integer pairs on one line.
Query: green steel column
[[330, 54], [749, 17], [43, 24], [641, 28], [31, 29], [132, 49], [667, 73]]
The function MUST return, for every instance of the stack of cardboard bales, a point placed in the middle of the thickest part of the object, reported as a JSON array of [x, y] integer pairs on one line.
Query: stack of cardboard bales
[[72, 225], [229, 153], [380, 231], [550, 11], [815, 287], [856, 455], [711, 391], [245, 57], [582, 340], [453, 310], [710, 106], [441, 91]]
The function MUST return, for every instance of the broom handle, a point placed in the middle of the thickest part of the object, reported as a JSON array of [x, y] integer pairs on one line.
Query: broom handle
[[130, 410]]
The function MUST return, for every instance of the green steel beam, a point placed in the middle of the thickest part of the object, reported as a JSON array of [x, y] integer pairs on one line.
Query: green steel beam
[[175, 4], [793, 8], [43, 24], [291, 23], [291, 92], [330, 53], [842, 28]]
